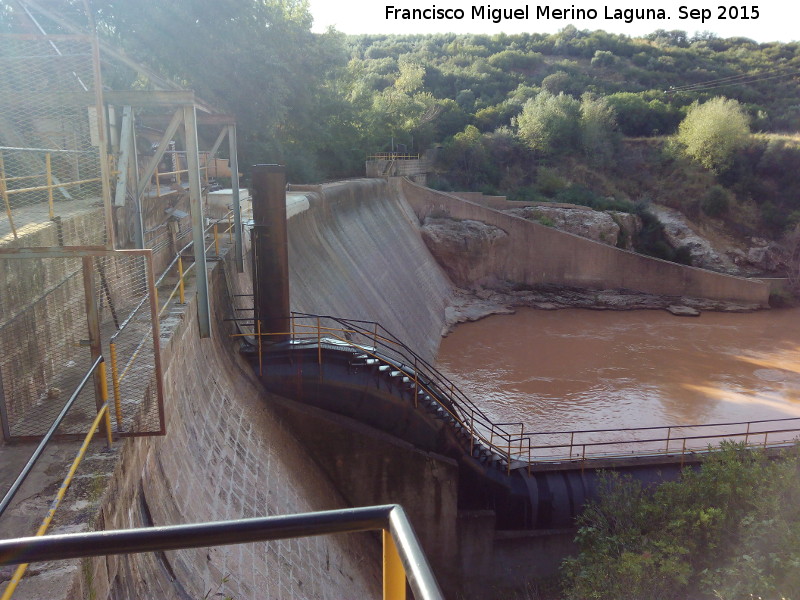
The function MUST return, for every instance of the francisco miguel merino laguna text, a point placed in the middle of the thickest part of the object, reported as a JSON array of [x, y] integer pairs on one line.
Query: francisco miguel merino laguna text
[[628, 15]]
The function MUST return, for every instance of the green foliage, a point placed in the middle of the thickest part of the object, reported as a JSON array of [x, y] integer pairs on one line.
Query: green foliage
[[598, 122], [712, 132], [603, 59], [549, 182], [727, 530], [637, 116], [550, 124], [716, 202], [199, 44]]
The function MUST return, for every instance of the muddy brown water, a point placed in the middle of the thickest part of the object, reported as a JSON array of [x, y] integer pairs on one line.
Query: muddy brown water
[[582, 369]]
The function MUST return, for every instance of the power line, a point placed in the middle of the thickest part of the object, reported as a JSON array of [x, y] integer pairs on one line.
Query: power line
[[727, 81]]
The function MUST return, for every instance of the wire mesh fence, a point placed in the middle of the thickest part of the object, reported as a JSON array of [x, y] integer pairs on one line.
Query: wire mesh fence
[[60, 314], [50, 143]]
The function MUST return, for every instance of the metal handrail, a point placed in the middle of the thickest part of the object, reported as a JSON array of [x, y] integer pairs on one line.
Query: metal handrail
[[389, 518], [26, 470], [497, 437]]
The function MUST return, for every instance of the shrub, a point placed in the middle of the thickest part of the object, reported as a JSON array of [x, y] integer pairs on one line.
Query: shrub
[[730, 529], [716, 202], [712, 132]]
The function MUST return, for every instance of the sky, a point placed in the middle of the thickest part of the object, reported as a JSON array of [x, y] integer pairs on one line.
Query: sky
[[760, 20]]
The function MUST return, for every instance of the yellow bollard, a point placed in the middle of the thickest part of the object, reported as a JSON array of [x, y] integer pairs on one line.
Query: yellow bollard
[[216, 240]]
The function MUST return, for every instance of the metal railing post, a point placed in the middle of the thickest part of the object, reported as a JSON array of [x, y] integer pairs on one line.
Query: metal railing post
[[181, 290], [394, 575], [115, 384], [104, 398]]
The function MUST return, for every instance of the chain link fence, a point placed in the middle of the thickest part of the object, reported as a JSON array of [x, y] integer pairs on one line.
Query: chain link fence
[[59, 314], [50, 146]]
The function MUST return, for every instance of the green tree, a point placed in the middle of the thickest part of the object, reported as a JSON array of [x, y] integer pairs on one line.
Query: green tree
[[598, 124], [550, 124], [712, 132], [256, 59]]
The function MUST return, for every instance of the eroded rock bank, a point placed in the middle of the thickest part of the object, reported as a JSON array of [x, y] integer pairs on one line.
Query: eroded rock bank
[[472, 305]]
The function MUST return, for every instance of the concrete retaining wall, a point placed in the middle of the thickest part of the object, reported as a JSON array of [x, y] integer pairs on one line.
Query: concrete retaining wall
[[538, 254]]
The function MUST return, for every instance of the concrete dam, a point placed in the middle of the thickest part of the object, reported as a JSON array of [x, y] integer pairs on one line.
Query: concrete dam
[[233, 450]]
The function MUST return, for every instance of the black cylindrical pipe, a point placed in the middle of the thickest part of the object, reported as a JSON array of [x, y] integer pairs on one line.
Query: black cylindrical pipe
[[271, 252]]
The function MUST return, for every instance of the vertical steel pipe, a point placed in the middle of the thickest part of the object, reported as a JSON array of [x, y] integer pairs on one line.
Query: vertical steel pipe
[[271, 252]]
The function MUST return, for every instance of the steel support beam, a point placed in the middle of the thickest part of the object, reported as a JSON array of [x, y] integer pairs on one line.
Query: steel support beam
[[163, 144], [126, 148], [198, 222], [237, 208]]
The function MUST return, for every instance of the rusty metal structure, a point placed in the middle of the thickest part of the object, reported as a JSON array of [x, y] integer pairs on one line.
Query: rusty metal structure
[[101, 191]]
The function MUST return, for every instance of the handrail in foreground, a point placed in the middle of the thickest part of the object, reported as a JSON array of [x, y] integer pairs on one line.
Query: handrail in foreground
[[391, 519]]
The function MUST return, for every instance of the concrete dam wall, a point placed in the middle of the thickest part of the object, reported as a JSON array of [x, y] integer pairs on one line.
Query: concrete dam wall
[[356, 253], [230, 452], [233, 451]]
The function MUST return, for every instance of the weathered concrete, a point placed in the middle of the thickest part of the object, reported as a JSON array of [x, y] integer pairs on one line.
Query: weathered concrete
[[357, 253], [226, 456], [531, 259]]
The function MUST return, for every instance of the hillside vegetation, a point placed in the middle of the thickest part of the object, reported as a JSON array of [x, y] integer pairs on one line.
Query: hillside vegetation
[[577, 116]]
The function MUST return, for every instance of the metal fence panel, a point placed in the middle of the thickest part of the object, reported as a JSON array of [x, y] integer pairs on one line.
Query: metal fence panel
[[47, 345], [50, 147]]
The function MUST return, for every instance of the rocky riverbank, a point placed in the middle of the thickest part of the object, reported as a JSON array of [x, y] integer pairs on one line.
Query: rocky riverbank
[[472, 305]]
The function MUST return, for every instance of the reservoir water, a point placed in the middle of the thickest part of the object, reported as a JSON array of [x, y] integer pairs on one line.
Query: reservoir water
[[582, 369]]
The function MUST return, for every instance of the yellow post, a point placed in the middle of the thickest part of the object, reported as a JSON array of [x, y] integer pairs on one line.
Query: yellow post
[[104, 398], [4, 192], [115, 384], [181, 294], [394, 575], [49, 173], [216, 241]]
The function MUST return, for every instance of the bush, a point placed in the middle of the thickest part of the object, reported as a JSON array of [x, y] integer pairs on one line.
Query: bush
[[730, 529], [712, 132], [716, 202], [603, 58], [549, 182]]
